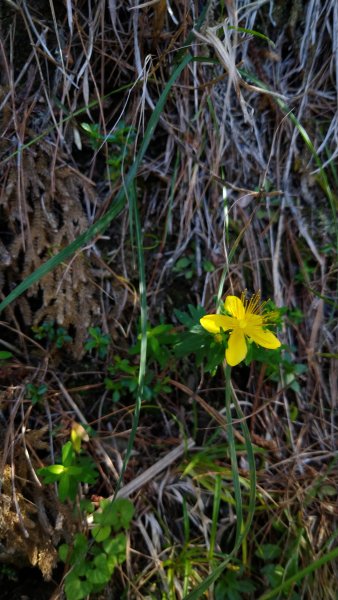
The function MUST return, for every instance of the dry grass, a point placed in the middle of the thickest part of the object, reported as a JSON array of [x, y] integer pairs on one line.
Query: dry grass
[[226, 167]]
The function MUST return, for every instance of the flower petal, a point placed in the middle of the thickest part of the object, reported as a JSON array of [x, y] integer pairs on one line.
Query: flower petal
[[262, 337], [214, 323], [237, 348], [254, 320], [235, 307]]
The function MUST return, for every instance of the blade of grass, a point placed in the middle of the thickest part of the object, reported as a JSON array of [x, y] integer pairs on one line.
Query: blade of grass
[[186, 529], [233, 457], [118, 204], [215, 513], [252, 32], [241, 530], [328, 557], [132, 196], [252, 464]]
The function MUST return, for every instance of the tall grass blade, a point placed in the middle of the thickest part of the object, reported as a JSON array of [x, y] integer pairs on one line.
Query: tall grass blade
[[215, 514], [241, 529], [132, 196], [233, 457], [301, 574], [118, 204]]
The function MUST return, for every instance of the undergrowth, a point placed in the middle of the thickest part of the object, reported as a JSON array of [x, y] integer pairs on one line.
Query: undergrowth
[[165, 169]]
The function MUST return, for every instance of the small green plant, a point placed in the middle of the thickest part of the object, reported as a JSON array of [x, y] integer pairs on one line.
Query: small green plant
[[234, 585], [160, 342], [36, 393], [98, 341], [123, 381], [54, 335], [92, 561], [120, 142], [280, 363], [195, 340], [186, 266], [72, 470], [274, 571]]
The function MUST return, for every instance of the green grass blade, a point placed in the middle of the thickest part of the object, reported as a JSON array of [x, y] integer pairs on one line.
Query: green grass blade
[[143, 352], [118, 204], [241, 530], [253, 32], [233, 457], [252, 465], [215, 513], [301, 574]]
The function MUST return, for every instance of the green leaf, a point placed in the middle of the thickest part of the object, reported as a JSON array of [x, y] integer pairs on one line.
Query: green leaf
[[80, 545], [63, 552], [154, 345], [253, 32], [87, 506], [66, 489], [182, 264], [68, 454], [101, 572], [116, 396], [208, 267], [273, 573], [159, 329], [4, 355], [101, 532], [268, 552], [76, 589], [118, 513], [196, 313], [54, 469], [115, 546]]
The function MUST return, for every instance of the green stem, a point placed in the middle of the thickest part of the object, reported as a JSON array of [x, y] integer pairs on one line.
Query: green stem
[[233, 455]]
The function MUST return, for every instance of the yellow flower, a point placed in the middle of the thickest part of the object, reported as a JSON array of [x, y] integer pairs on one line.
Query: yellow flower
[[246, 321]]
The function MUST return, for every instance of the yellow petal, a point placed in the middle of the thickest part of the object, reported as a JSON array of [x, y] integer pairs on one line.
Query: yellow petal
[[214, 323], [237, 348], [263, 337], [254, 320], [235, 307]]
